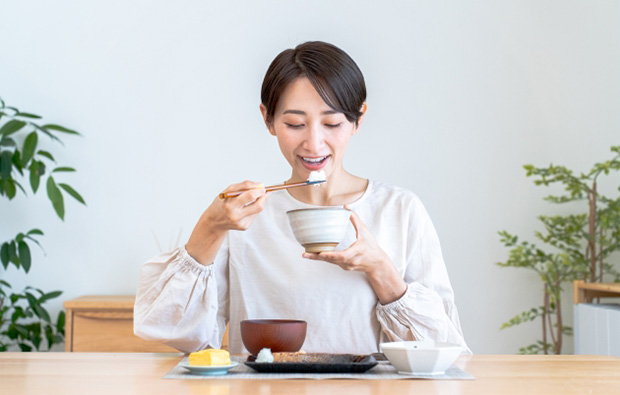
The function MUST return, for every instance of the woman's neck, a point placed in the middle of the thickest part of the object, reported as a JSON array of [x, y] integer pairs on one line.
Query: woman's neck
[[341, 188]]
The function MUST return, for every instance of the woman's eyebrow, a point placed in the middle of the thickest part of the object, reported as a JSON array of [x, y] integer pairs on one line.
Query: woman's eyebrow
[[299, 112]]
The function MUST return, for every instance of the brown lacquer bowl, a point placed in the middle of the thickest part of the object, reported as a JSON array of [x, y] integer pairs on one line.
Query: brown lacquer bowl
[[278, 335]]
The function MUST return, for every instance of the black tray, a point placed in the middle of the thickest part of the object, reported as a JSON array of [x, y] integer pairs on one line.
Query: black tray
[[329, 363]]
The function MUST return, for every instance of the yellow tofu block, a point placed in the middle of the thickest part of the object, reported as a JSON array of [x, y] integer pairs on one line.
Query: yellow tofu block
[[210, 357]]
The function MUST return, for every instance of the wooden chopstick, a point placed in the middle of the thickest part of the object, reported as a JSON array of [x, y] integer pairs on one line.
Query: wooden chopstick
[[226, 195]]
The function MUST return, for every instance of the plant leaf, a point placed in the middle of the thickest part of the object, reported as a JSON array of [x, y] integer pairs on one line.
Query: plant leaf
[[35, 180], [65, 169], [37, 169], [24, 255], [36, 307], [4, 255], [35, 232], [47, 155], [7, 142], [45, 131], [18, 313], [12, 332], [49, 334], [49, 295], [9, 188], [13, 257], [60, 323], [36, 241], [28, 115], [17, 163], [56, 198], [36, 289], [20, 186], [30, 146], [59, 128], [41, 312], [16, 297], [6, 164], [11, 127], [73, 193], [32, 301]]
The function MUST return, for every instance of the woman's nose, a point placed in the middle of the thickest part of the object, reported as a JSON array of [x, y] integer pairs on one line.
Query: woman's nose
[[314, 139]]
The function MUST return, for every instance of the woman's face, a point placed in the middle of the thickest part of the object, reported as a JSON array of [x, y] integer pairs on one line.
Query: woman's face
[[312, 136]]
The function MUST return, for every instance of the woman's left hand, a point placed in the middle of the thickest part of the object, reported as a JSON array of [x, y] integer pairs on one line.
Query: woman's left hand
[[363, 255]]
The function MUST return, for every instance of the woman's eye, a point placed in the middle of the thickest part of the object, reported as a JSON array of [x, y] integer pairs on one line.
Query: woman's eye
[[333, 126], [293, 126]]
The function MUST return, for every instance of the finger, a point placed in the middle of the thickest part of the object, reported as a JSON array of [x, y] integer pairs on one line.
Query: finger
[[338, 257], [248, 197], [359, 226], [312, 255], [350, 253], [324, 258], [243, 186], [254, 207], [321, 256]]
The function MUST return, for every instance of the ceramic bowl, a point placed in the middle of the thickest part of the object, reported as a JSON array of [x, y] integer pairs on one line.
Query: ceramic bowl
[[414, 357], [319, 229], [278, 335]]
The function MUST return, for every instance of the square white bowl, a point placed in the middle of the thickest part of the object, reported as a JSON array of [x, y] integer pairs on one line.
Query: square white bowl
[[421, 357]]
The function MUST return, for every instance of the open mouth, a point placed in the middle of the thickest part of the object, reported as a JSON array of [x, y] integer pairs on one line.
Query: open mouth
[[314, 163]]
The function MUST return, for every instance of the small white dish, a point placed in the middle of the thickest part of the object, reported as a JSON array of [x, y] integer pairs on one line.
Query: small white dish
[[423, 358], [208, 370]]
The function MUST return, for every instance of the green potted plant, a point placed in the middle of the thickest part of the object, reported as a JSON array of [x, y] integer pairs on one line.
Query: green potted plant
[[25, 323], [577, 246]]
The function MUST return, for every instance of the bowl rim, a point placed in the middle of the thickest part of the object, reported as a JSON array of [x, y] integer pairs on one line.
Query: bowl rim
[[402, 345], [319, 209], [270, 321]]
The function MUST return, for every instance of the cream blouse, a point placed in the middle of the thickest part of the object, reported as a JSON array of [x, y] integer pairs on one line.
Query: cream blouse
[[259, 273]]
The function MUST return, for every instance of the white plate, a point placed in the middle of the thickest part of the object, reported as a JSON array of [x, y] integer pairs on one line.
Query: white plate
[[208, 370]]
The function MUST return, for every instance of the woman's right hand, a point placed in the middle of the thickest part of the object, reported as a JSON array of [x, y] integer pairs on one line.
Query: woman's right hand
[[235, 213]]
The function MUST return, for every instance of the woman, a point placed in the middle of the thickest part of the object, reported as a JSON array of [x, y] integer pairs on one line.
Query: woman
[[386, 281]]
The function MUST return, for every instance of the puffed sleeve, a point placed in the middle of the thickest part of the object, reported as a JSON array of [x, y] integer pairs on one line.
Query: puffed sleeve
[[427, 310], [182, 303]]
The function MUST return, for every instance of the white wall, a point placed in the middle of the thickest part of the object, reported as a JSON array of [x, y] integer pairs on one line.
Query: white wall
[[166, 94]]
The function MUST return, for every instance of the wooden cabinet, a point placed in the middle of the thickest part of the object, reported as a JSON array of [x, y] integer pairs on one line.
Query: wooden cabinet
[[585, 292], [104, 324], [596, 325]]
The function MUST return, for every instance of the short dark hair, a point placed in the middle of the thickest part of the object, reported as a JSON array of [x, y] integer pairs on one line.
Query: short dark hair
[[332, 72]]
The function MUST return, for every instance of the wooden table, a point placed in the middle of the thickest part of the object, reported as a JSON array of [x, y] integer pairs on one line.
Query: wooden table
[[128, 373]]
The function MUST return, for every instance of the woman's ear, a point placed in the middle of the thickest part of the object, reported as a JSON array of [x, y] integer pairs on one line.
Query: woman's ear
[[263, 111], [359, 121]]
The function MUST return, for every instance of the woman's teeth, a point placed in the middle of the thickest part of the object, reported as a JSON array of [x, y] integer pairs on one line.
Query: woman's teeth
[[314, 161]]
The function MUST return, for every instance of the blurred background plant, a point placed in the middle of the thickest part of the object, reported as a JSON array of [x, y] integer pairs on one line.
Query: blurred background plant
[[578, 247], [25, 324]]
